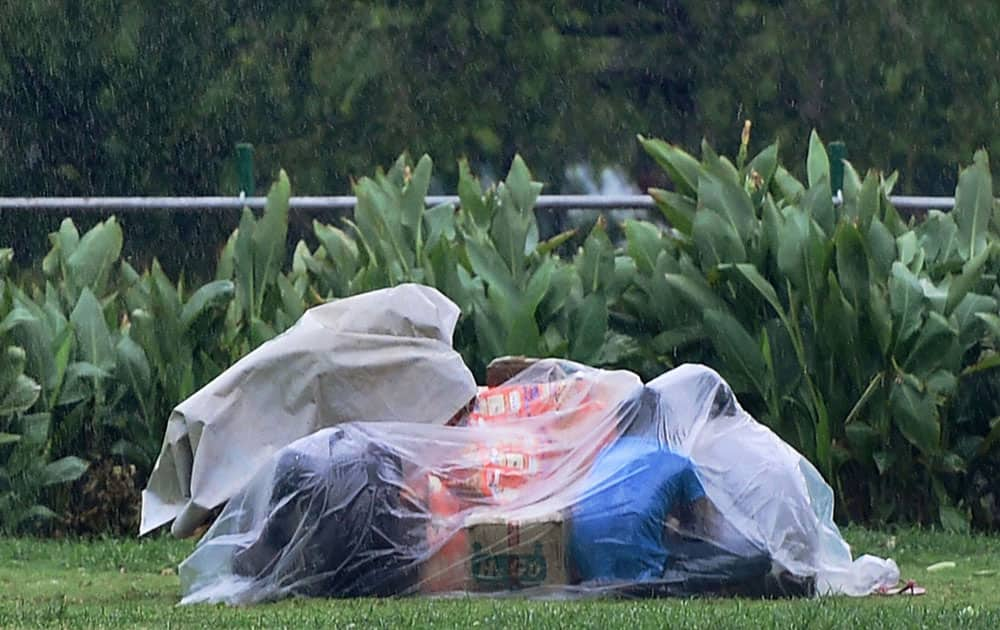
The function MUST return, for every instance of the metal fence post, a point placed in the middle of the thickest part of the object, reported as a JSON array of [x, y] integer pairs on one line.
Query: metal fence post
[[244, 167], [838, 152]]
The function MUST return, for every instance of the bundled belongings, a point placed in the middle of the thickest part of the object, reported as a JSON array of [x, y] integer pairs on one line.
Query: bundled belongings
[[381, 356], [564, 480]]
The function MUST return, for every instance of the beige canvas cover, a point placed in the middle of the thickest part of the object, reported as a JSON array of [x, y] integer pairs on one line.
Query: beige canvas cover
[[383, 356]]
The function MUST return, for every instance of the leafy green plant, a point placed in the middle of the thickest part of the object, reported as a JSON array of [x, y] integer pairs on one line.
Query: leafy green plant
[[25, 466], [844, 328]]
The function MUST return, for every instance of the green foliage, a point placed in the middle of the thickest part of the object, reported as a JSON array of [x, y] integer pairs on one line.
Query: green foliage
[[844, 329], [853, 334], [130, 97]]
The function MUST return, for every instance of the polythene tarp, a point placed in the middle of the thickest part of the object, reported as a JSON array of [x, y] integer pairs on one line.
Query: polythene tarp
[[383, 356], [564, 481]]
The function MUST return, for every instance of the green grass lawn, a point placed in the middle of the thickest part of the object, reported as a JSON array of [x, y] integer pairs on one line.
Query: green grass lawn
[[129, 583]]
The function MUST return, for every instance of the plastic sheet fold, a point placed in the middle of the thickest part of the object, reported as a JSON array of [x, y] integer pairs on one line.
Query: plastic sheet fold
[[566, 481]]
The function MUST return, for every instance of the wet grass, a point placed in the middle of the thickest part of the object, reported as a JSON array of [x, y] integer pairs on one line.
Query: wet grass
[[129, 583]]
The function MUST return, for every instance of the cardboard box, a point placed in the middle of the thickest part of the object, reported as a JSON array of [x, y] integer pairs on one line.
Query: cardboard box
[[511, 556], [502, 369], [493, 555]]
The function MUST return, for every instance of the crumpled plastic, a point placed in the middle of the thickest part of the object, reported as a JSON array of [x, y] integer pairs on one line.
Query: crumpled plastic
[[566, 481], [384, 356]]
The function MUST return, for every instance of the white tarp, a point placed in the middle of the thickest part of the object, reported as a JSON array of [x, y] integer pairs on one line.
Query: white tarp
[[383, 356]]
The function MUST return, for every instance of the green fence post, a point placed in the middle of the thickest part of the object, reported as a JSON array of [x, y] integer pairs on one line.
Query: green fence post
[[244, 167], [838, 152]]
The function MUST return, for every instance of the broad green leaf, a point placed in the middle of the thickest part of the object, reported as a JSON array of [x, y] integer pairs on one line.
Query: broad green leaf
[[695, 291], [20, 396], [209, 296], [490, 335], [790, 188], [645, 242], [32, 332], [260, 332], [95, 255], [852, 183], [942, 383], [562, 283], [882, 246], [291, 302], [730, 201], [523, 190], [765, 288], [227, 265], [880, 317], [92, 334], [415, 193], [787, 371], [963, 283], [908, 247], [538, 286], [818, 204], [938, 237], [66, 239], [440, 224], [906, 302], [243, 263], [817, 162], [992, 322], [678, 210], [852, 263], [63, 470], [470, 195], [669, 341], [340, 247], [869, 199], [716, 239], [11, 367], [761, 170], [596, 262], [967, 317], [17, 316], [509, 232], [554, 243], [738, 350], [974, 205], [590, 325], [841, 329], [803, 254], [932, 345], [936, 294], [78, 385], [35, 429], [133, 366], [771, 223], [916, 416], [719, 166], [681, 166], [269, 239], [488, 265]]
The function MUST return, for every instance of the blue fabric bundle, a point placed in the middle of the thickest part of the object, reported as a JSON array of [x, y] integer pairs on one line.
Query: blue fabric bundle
[[617, 528]]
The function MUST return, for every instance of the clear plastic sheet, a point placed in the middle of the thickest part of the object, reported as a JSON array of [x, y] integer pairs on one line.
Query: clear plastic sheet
[[382, 356], [564, 481]]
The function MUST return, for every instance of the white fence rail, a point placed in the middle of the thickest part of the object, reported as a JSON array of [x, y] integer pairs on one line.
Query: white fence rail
[[545, 202]]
